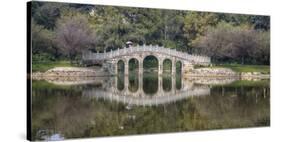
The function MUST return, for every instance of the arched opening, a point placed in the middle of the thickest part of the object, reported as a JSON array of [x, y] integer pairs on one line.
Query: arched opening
[[120, 67], [120, 82], [150, 75], [133, 76], [178, 82], [178, 75], [150, 64], [133, 83], [133, 65], [167, 83], [150, 83], [120, 75], [178, 67], [167, 66]]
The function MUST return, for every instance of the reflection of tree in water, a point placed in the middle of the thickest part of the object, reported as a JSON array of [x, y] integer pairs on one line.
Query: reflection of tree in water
[[167, 82], [231, 107], [120, 82], [167, 66], [133, 64], [120, 67], [133, 75], [150, 83], [178, 67], [150, 63], [65, 111], [178, 81], [133, 81]]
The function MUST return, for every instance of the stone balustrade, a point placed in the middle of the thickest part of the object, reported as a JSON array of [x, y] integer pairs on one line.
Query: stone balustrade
[[194, 59]]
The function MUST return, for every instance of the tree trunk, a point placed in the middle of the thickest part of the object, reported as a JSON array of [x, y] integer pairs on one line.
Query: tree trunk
[[71, 56]]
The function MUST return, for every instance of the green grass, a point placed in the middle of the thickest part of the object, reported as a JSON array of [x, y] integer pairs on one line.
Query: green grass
[[244, 68], [240, 83], [42, 67], [42, 84]]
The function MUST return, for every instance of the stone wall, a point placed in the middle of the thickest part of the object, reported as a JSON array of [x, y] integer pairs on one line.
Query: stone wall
[[253, 76], [202, 72], [223, 72], [70, 72]]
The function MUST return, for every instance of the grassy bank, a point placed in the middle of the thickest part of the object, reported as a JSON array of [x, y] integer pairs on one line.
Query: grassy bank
[[245, 83], [243, 68], [42, 67], [40, 84]]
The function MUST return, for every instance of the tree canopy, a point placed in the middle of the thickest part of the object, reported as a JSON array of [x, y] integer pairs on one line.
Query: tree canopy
[[60, 26]]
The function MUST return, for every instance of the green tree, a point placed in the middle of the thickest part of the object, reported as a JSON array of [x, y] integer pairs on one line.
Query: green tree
[[43, 46], [47, 14], [196, 23]]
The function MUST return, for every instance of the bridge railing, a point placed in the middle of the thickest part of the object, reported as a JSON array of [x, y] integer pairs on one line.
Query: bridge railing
[[143, 99], [145, 48]]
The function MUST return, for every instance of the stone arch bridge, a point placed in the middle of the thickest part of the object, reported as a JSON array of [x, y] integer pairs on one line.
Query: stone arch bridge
[[110, 91], [111, 59]]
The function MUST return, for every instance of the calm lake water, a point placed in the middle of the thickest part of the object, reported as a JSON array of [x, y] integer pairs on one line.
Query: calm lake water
[[144, 104]]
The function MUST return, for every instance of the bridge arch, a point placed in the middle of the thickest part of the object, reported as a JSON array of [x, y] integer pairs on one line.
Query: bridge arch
[[133, 78], [179, 67], [179, 70], [143, 51], [150, 62], [167, 83], [121, 66], [120, 82], [167, 65], [133, 64]]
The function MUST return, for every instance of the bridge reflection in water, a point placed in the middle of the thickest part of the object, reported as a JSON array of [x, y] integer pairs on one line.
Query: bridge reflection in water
[[146, 89]]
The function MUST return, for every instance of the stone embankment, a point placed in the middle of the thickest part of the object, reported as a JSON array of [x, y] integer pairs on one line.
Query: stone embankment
[[253, 76], [219, 80], [224, 72], [69, 72], [206, 72]]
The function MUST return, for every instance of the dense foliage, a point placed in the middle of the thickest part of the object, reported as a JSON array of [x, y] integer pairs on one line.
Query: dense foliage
[[62, 31]]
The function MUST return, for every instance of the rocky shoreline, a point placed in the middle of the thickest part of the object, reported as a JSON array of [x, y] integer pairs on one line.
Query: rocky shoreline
[[224, 72], [70, 72]]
